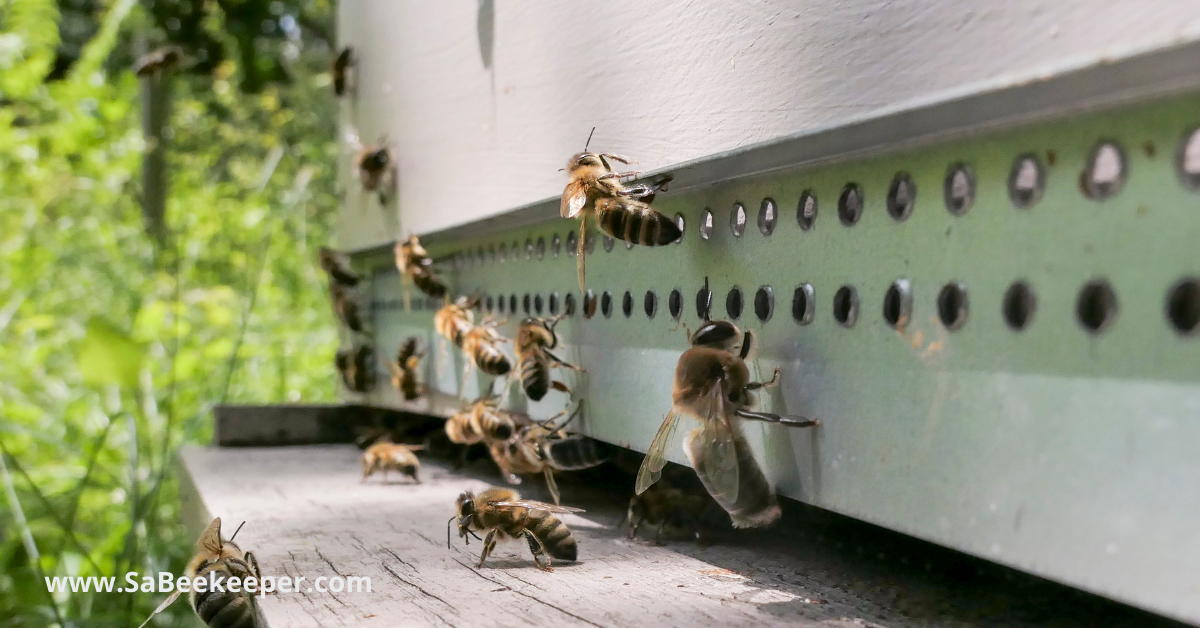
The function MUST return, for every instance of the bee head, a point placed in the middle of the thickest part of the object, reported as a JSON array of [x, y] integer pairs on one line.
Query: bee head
[[465, 505], [716, 334], [584, 160]]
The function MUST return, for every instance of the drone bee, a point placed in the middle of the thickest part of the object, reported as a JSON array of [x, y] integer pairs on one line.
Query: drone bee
[[415, 264], [342, 71], [535, 338], [334, 264], [504, 515], [158, 61], [538, 448], [623, 212], [404, 369], [216, 606], [357, 367], [482, 346], [386, 457], [712, 385], [455, 320]]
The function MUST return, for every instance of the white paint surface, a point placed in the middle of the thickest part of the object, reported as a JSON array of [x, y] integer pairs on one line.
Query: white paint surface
[[666, 82]]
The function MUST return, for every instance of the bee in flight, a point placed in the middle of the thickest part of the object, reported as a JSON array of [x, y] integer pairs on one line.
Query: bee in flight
[[219, 607], [539, 448], [416, 265], [385, 456], [712, 385], [623, 212], [376, 169], [454, 320], [158, 61], [482, 347], [357, 367], [404, 369], [483, 421], [336, 266], [502, 514], [342, 71], [535, 338]]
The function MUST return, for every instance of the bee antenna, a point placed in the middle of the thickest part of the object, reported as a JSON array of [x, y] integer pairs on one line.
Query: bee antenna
[[239, 529], [589, 141]]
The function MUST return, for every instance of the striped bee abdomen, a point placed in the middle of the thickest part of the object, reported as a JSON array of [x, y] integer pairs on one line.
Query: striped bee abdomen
[[429, 284], [576, 452], [490, 359], [553, 533], [634, 221], [756, 504], [535, 375], [219, 609]]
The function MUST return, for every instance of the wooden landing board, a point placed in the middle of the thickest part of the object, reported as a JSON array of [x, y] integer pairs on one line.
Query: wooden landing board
[[307, 514]]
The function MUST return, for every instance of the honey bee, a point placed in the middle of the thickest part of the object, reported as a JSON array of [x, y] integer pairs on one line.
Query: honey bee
[[216, 606], [374, 165], [334, 265], [158, 61], [502, 514], [621, 211], [345, 306], [414, 263], [357, 367], [483, 421], [342, 69], [455, 320], [535, 338], [666, 505], [482, 346], [712, 385], [404, 369], [538, 448], [385, 456]]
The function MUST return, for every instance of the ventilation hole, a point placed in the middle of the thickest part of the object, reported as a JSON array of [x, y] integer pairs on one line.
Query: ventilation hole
[[1019, 305], [569, 304], [850, 204], [457, 260], [764, 303], [627, 304], [733, 303], [768, 215], [555, 245], [703, 303], [679, 222], [539, 250], [482, 255], [491, 304], [628, 245], [706, 224], [1026, 181], [1183, 306], [897, 304], [675, 304], [737, 220], [502, 256], [650, 303], [553, 303], [806, 210], [845, 306], [608, 244], [526, 303], [1097, 306], [1106, 171], [512, 304], [803, 304], [492, 254], [538, 302], [589, 247], [606, 304], [529, 249], [514, 252], [589, 304], [500, 303], [958, 191], [1187, 160], [952, 305], [572, 243], [902, 197]]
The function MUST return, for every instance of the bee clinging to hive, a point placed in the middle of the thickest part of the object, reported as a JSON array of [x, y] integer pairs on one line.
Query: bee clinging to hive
[[219, 560], [416, 265], [502, 514], [454, 320], [343, 71], [712, 385], [482, 347], [404, 369], [535, 338], [386, 457], [357, 367], [623, 212]]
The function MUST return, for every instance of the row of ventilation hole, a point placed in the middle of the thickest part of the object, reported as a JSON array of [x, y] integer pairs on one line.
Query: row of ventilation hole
[[1095, 309], [1103, 178]]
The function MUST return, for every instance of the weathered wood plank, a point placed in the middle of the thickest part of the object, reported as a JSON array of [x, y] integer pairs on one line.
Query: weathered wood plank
[[307, 514]]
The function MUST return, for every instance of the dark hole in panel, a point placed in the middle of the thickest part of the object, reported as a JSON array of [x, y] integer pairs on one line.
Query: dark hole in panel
[[526, 303], [1097, 306], [1183, 306], [1026, 181], [850, 204], [553, 303], [555, 245], [491, 304], [540, 248], [500, 303], [628, 245], [1187, 160], [569, 304], [804, 304], [1019, 305], [703, 303], [512, 303], [897, 304], [902, 197], [737, 220], [706, 224], [589, 247], [733, 303], [953, 305], [1106, 171], [502, 256], [845, 306], [538, 303], [958, 190], [764, 303], [675, 304], [650, 303], [572, 243], [514, 252], [806, 210], [627, 304], [606, 304], [768, 215], [589, 304], [492, 254], [608, 244], [529, 249]]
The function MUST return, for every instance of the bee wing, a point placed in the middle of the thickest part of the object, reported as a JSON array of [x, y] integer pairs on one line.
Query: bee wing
[[210, 539], [655, 460], [716, 439], [162, 607], [573, 199], [534, 505]]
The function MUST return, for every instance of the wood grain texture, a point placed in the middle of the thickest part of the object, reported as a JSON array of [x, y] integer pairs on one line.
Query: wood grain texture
[[478, 129], [307, 514]]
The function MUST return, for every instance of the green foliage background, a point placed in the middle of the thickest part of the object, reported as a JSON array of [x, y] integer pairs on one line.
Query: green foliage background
[[113, 349]]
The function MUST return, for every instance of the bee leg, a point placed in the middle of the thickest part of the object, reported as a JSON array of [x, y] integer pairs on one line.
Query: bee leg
[[580, 252], [790, 421], [658, 533], [561, 387], [604, 157], [415, 473], [385, 480], [757, 385], [562, 362], [538, 549], [489, 542], [551, 484]]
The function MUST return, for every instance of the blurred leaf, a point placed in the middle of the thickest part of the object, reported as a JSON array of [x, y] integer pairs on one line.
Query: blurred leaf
[[109, 356]]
